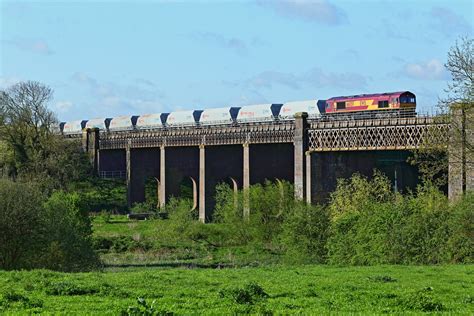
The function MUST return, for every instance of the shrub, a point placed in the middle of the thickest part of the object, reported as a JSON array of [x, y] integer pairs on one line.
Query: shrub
[[20, 219], [460, 245], [53, 233], [102, 194], [119, 244], [361, 216], [370, 225], [426, 230], [305, 232], [248, 294], [269, 205], [68, 242]]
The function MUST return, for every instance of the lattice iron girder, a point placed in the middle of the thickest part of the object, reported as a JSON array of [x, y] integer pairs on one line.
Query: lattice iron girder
[[374, 135], [216, 135]]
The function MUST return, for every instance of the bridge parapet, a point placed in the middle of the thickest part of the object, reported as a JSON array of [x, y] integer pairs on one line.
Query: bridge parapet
[[281, 132], [378, 134]]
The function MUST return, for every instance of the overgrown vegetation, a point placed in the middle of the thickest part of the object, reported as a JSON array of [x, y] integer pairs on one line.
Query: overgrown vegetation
[[365, 223]]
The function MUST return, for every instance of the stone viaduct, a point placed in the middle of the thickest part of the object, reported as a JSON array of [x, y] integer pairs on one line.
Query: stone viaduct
[[311, 154]]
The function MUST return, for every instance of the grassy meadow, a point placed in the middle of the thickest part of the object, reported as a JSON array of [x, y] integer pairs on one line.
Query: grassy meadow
[[308, 289], [177, 277]]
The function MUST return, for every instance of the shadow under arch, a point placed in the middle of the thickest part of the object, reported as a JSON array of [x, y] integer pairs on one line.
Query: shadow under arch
[[188, 190], [152, 191]]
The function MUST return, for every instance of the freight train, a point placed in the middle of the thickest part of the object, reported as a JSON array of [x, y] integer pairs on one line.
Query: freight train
[[347, 107]]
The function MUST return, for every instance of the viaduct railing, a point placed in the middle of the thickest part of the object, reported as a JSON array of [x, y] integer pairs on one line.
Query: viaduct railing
[[281, 132], [378, 134]]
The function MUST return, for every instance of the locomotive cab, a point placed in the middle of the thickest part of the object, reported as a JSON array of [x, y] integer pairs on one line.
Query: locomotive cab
[[407, 100]]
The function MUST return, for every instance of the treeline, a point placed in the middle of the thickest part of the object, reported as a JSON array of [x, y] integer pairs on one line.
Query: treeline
[[365, 223]]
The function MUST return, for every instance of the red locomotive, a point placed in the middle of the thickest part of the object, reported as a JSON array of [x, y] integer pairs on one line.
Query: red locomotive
[[378, 104]]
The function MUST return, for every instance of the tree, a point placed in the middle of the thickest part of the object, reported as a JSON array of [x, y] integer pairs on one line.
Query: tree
[[458, 109], [460, 65], [28, 130], [26, 124]]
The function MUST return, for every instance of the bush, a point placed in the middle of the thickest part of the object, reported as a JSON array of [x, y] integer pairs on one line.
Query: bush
[[119, 244], [20, 219], [361, 212], [269, 205], [102, 194], [250, 293], [460, 245], [69, 244], [371, 225], [305, 232], [49, 233]]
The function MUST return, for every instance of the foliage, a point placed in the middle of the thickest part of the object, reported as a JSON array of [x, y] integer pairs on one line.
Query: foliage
[[458, 109], [268, 206], [432, 165], [38, 232], [120, 244], [35, 152], [69, 246], [420, 228], [305, 233], [460, 65], [102, 194], [20, 218], [145, 309], [151, 194], [250, 293], [356, 194], [143, 207], [460, 245], [365, 223]]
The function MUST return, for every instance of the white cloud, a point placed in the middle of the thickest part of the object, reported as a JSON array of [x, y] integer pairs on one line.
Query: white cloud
[[63, 106], [32, 45], [429, 70], [110, 99], [321, 11]]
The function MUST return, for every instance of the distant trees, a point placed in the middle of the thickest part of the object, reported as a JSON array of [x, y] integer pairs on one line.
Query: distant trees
[[32, 149]]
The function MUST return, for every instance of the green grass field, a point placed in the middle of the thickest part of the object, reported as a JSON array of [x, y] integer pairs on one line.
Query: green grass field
[[176, 274], [304, 289]]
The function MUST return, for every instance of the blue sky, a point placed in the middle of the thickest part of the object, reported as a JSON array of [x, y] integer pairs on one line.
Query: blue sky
[[111, 58]]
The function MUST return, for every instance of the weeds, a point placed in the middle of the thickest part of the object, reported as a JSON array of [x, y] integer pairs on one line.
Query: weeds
[[422, 300], [144, 309], [250, 293]]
